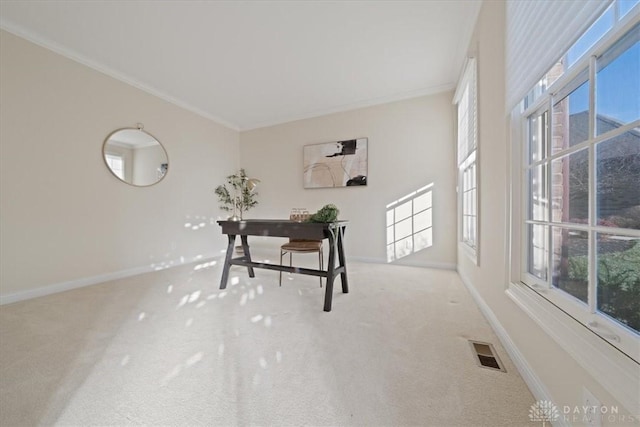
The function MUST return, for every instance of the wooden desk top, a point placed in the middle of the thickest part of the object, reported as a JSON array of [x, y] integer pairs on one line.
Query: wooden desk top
[[281, 228]]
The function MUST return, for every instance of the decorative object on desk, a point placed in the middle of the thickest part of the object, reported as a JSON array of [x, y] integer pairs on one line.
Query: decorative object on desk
[[336, 164], [327, 213], [241, 195], [299, 214]]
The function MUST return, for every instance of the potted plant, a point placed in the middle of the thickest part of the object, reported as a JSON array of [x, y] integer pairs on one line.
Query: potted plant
[[327, 213], [240, 196]]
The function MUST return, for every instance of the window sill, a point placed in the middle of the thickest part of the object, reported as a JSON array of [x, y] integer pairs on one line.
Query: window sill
[[617, 373]]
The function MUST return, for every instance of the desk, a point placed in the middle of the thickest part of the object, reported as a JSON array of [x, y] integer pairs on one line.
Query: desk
[[333, 231]]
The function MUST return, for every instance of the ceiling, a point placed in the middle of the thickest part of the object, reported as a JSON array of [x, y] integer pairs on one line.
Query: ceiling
[[249, 64]]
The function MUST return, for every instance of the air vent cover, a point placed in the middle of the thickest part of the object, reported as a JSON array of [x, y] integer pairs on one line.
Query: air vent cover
[[486, 356]]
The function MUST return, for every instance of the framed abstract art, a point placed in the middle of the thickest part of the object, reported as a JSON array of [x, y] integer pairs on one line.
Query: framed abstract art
[[336, 164]]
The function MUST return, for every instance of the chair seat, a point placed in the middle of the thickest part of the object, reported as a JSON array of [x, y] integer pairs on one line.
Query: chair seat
[[302, 246]]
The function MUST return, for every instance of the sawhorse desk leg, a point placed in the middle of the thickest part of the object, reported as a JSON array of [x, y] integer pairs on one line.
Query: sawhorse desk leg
[[227, 259], [343, 263], [247, 254], [229, 256], [328, 292]]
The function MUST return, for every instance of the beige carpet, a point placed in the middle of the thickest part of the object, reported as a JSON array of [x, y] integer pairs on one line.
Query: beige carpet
[[170, 348]]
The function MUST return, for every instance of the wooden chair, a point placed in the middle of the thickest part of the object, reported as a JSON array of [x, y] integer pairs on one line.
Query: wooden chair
[[301, 246]]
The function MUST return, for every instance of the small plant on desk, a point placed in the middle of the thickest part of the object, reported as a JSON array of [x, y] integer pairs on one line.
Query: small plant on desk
[[328, 213], [240, 197]]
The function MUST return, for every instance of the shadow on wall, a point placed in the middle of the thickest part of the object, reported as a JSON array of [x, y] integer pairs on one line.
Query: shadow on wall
[[410, 223]]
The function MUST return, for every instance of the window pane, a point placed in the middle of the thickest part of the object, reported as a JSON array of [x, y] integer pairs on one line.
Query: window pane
[[619, 278], [466, 202], [618, 181], [592, 35], [534, 93], [538, 199], [465, 228], [570, 188], [466, 181], [474, 175], [469, 205], [555, 72], [463, 125], [390, 238], [473, 234], [571, 119], [618, 88], [626, 6], [469, 230], [537, 137], [538, 251], [474, 203], [570, 262]]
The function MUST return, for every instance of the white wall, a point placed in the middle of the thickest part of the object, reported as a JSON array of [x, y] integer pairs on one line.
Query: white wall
[[556, 372], [410, 145], [63, 216]]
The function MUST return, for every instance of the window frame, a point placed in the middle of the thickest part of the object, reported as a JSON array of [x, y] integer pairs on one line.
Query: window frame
[[467, 158], [618, 335], [586, 337]]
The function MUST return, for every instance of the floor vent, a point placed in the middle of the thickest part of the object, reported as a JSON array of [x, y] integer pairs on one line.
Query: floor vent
[[486, 356]]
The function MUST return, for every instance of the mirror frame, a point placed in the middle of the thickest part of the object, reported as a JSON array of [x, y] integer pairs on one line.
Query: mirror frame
[[139, 127]]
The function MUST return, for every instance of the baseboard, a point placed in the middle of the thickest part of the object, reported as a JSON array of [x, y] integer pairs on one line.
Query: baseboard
[[617, 373], [536, 386], [427, 264], [55, 288]]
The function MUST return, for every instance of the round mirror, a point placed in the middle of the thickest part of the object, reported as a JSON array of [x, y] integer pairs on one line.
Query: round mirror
[[135, 156]]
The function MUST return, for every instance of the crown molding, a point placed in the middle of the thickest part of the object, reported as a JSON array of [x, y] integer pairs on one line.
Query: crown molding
[[34, 38], [372, 102]]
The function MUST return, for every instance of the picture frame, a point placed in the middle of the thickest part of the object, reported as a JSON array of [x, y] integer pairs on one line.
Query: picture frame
[[336, 164]]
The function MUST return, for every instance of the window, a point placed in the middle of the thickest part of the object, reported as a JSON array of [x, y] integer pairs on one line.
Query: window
[[592, 35], [466, 101], [469, 202], [607, 21], [116, 164], [581, 175], [625, 6]]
